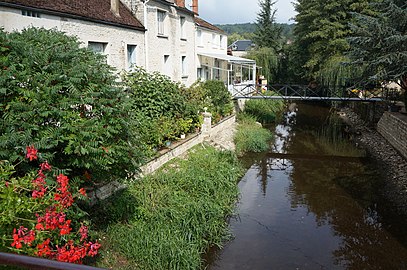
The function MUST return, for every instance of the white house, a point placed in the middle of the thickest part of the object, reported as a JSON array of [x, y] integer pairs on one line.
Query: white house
[[106, 26], [214, 63], [169, 39], [159, 35]]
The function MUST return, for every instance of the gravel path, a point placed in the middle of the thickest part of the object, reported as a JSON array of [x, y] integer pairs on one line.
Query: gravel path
[[393, 166]]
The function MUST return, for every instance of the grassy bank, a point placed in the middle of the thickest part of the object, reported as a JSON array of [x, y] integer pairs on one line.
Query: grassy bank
[[168, 220], [251, 136]]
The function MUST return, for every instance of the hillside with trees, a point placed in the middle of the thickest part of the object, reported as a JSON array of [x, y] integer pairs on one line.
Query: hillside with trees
[[241, 31]]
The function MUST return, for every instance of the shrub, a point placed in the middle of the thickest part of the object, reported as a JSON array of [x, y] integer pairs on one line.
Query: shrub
[[39, 215], [64, 100], [250, 136], [265, 110], [162, 110], [212, 95]]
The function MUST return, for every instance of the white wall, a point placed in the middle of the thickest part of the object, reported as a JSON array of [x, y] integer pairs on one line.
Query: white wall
[[208, 44], [117, 38], [171, 43]]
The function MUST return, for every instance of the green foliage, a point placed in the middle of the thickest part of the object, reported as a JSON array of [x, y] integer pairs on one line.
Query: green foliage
[[379, 42], [176, 214], [321, 31], [160, 107], [16, 203], [264, 110], [212, 95], [251, 136], [268, 33], [63, 99], [268, 60]]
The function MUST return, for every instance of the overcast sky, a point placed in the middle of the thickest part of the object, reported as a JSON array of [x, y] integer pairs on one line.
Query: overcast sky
[[241, 11]]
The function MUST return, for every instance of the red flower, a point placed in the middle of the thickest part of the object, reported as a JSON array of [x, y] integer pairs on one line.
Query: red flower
[[43, 249], [31, 152], [45, 166], [65, 228], [16, 240], [84, 232], [94, 249], [82, 191]]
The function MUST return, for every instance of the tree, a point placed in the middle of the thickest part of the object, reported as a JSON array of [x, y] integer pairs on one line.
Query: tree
[[321, 31], [268, 33], [379, 42], [64, 100]]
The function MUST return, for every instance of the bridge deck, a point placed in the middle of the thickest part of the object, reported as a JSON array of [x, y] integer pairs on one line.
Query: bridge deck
[[312, 98]]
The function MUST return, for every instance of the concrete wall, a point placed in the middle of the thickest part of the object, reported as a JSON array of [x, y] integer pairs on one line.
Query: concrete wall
[[393, 127], [116, 38]]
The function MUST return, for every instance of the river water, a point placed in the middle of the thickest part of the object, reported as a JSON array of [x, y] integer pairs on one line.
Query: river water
[[312, 203]]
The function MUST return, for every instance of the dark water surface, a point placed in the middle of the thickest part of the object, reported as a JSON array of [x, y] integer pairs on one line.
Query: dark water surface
[[312, 205]]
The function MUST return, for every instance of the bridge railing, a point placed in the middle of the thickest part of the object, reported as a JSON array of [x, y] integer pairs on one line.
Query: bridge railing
[[312, 92], [26, 262]]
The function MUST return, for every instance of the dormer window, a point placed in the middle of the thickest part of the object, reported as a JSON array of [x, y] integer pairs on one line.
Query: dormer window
[[30, 13]]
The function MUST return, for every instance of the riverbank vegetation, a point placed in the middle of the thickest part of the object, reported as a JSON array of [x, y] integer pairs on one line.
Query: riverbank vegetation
[[359, 44], [168, 220], [250, 135], [61, 104]]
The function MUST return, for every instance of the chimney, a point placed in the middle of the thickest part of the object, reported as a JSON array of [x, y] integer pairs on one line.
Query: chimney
[[114, 7], [195, 6], [180, 3]]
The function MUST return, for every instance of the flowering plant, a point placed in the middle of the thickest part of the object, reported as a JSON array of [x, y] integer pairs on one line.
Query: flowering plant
[[49, 222]]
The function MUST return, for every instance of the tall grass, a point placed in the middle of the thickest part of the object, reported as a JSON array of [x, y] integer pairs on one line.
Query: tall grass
[[265, 110], [251, 136], [176, 214]]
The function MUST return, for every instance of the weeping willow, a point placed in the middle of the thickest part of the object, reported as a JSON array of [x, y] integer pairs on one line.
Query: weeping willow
[[337, 72], [267, 59]]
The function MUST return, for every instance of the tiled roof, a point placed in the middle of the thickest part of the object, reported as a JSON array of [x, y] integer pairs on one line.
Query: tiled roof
[[94, 10], [202, 23]]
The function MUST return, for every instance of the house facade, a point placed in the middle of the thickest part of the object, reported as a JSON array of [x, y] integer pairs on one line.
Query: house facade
[[99, 24], [162, 36], [169, 39]]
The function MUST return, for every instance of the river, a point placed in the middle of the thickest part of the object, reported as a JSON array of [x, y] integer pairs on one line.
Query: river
[[312, 202]]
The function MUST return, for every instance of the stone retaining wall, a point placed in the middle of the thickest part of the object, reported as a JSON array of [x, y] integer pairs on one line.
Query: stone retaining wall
[[177, 149], [394, 129]]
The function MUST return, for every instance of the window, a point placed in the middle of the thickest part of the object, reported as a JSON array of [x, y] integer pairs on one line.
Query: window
[[160, 21], [184, 66], [199, 37], [182, 22], [213, 40], [131, 56], [30, 13], [97, 47], [166, 65], [221, 41]]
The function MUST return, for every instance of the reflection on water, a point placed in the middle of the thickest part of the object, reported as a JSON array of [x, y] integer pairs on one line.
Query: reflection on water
[[302, 209]]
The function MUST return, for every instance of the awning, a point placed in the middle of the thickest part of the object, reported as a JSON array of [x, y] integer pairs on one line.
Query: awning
[[229, 58]]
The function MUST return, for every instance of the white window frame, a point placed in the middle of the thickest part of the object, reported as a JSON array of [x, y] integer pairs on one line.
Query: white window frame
[[184, 68], [161, 15], [30, 13], [182, 21], [131, 56], [199, 37], [166, 64], [97, 47]]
